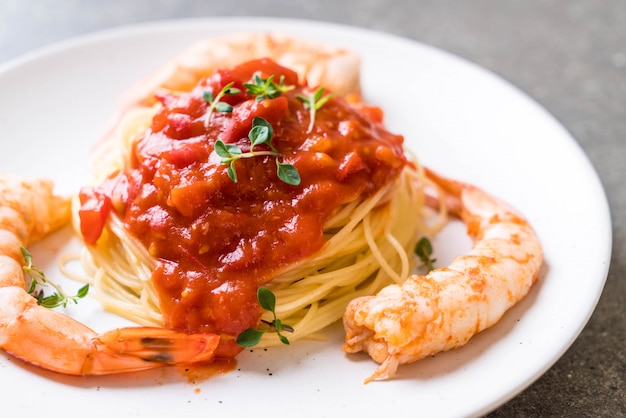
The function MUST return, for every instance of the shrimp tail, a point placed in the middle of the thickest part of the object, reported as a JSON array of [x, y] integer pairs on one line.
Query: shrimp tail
[[29, 210], [142, 348], [54, 341], [158, 345]]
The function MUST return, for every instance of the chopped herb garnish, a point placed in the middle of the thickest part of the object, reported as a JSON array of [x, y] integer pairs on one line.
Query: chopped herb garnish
[[261, 133], [424, 250], [215, 103], [266, 88], [314, 102], [251, 337], [37, 276]]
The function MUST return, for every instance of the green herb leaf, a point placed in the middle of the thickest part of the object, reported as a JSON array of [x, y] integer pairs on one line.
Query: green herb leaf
[[208, 96], [424, 250], [266, 299], [313, 103], [52, 301], [232, 171], [260, 133], [231, 91], [215, 103], [82, 292], [251, 337], [227, 151], [37, 277], [266, 88], [287, 173], [220, 149], [223, 107]]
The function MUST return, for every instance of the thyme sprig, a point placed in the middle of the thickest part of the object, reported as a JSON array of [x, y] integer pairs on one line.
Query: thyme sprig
[[266, 88], [215, 103], [424, 250], [37, 276], [314, 102], [261, 133], [251, 336]]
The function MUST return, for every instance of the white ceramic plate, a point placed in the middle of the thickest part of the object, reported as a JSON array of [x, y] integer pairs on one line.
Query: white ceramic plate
[[459, 119]]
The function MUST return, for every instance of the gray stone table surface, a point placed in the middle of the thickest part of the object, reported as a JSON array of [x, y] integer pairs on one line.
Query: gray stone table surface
[[570, 56]]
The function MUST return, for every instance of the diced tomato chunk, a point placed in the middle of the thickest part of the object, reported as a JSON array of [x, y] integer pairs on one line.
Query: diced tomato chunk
[[351, 164], [95, 207]]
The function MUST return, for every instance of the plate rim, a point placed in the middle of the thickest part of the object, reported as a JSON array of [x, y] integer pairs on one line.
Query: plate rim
[[175, 24]]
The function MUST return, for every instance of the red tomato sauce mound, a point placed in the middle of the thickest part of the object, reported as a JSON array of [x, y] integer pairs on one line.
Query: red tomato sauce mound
[[215, 240]]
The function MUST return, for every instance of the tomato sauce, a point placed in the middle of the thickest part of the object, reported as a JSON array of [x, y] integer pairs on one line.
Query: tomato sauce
[[216, 240]]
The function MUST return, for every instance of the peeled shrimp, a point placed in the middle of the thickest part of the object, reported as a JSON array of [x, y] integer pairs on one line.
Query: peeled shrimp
[[445, 308], [50, 339]]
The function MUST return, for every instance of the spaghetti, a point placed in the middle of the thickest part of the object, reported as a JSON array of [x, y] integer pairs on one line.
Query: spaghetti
[[369, 223]]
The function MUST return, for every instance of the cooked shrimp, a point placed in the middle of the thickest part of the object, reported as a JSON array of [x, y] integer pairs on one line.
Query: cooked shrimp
[[50, 339], [316, 63], [445, 308], [319, 64]]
